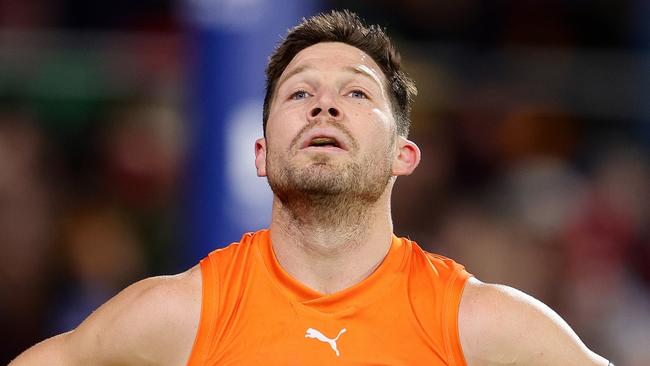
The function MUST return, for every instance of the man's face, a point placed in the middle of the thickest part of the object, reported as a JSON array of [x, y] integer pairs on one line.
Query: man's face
[[330, 128]]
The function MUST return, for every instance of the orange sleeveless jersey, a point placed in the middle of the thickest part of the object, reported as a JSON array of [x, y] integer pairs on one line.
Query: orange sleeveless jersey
[[254, 313]]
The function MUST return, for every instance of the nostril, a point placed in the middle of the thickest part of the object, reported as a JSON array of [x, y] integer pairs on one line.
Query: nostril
[[315, 112], [333, 112]]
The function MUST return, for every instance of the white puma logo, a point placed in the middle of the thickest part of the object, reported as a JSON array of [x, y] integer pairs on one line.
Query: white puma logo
[[313, 333]]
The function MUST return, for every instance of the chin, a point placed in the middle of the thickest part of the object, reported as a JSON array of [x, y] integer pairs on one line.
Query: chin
[[323, 177]]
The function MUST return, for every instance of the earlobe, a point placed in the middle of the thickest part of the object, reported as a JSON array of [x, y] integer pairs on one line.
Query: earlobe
[[407, 158], [260, 157]]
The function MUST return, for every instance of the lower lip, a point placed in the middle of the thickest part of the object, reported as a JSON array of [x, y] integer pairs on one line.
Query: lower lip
[[331, 149]]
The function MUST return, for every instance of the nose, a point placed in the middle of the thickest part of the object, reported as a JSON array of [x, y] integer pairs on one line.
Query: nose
[[331, 111], [325, 107]]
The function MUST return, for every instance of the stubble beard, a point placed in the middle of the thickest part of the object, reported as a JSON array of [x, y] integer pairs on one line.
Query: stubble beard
[[325, 193]]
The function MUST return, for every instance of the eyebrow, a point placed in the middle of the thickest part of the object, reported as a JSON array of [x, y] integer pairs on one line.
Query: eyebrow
[[293, 72], [358, 70]]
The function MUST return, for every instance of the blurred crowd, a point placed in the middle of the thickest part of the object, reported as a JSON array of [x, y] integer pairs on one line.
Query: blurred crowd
[[533, 120]]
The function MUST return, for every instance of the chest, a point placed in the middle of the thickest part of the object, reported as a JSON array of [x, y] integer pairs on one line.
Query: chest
[[276, 331]]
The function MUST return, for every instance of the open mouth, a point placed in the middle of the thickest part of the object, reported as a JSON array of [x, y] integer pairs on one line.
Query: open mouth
[[324, 142]]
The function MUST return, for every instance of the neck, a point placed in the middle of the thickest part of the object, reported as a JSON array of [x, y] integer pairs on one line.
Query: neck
[[331, 244]]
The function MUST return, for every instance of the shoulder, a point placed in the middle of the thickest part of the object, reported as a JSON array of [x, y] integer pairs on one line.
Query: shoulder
[[436, 261], [499, 325], [235, 253], [152, 320], [440, 270]]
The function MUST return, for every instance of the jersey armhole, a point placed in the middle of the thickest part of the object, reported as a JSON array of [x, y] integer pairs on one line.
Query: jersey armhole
[[209, 308], [451, 307]]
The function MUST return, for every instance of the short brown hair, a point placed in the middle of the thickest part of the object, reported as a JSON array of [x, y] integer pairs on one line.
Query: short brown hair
[[346, 27]]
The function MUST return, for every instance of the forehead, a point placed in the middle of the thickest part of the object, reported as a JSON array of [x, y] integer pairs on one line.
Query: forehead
[[334, 55]]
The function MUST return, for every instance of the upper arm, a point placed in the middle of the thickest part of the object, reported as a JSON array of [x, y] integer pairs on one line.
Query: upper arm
[[151, 321], [499, 325]]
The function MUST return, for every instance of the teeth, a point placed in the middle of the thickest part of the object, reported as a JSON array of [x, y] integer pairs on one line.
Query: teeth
[[322, 141]]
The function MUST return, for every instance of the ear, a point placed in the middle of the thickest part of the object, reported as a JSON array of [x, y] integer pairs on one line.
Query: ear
[[407, 158], [260, 157]]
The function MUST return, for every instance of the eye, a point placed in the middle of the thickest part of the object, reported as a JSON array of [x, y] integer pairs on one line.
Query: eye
[[300, 94], [358, 94]]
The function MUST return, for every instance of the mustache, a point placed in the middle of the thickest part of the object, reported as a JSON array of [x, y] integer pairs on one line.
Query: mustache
[[341, 128]]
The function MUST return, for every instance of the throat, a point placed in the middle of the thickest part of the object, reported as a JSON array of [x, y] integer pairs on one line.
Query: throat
[[332, 223], [331, 226], [330, 247]]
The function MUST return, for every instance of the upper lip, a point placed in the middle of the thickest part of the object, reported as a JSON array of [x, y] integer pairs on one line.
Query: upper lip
[[324, 132]]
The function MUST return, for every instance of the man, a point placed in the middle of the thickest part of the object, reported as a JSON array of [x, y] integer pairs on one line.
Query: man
[[328, 283]]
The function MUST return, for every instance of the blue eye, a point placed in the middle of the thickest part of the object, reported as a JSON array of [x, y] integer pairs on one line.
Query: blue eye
[[358, 94], [300, 94]]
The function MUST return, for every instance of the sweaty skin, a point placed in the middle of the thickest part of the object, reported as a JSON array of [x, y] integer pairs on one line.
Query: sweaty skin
[[331, 204]]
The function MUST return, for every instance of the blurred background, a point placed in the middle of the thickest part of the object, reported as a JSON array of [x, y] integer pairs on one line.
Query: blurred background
[[127, 129]]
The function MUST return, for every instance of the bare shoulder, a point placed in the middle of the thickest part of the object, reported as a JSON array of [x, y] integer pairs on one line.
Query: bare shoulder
[[499, 325], [152, 322]]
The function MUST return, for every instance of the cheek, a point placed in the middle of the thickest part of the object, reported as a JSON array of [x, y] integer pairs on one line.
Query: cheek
[[385, 119], [280, 130], [384, 129], [372, 127]]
